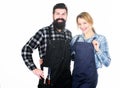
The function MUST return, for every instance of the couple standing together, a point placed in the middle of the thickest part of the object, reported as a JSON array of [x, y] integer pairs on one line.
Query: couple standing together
[[57, 48]]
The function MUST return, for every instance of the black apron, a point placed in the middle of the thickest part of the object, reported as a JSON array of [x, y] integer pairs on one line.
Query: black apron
[[58, 60], [85, 72]]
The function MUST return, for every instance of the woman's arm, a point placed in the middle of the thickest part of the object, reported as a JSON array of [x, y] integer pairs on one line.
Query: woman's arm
[[102, 50]]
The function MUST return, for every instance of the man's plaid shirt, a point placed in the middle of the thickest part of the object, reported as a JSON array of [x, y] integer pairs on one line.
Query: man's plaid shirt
[[39, 40]]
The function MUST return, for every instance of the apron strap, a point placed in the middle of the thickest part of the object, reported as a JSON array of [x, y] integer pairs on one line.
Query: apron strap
[[76, 40], [50, 32]]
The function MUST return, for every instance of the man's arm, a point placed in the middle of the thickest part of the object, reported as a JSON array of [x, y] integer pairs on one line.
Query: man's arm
[[27, 51]]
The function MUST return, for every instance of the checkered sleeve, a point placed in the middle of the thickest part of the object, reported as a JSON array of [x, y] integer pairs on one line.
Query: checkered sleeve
[[28, 48]]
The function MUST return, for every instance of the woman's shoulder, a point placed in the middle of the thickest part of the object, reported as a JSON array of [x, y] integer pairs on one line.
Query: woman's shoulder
[[100, 37], [74, 39]]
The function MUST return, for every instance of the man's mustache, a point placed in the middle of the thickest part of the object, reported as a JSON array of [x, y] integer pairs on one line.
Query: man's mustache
[[60, 19]]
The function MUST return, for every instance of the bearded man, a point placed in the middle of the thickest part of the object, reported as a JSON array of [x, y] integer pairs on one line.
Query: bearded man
[[53, 44]]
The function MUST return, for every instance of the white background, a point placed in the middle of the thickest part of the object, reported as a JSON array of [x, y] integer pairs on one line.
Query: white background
[[21, 19]]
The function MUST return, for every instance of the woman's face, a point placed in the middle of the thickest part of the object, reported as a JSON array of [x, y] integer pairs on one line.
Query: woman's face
[[84, 25]]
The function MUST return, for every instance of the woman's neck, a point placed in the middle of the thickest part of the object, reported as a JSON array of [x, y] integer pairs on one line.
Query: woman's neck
[[88, 34]]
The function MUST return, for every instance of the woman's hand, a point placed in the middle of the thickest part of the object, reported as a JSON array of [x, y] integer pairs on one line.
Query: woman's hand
[[96, 45]]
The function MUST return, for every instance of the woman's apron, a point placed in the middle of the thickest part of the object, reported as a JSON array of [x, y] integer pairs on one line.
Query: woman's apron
[[58, 60], [85, 72]]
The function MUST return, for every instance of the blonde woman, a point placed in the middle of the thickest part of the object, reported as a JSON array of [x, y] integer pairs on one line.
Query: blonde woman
[[90, 52]]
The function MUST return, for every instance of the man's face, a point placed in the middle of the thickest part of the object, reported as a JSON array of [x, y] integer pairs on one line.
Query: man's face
[[59, 17], [60, 13]]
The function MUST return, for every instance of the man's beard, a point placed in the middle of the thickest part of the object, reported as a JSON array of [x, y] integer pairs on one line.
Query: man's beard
[[59, 25]]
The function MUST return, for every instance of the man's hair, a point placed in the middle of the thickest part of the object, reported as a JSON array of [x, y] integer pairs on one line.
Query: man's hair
[[60, 6]]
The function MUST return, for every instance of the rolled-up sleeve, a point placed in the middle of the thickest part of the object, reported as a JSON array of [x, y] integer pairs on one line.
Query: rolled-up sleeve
[[27, 51], [103, 54]]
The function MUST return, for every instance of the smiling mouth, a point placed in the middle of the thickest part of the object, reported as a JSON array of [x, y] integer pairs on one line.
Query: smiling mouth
[[60, 20], [84, 29]]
